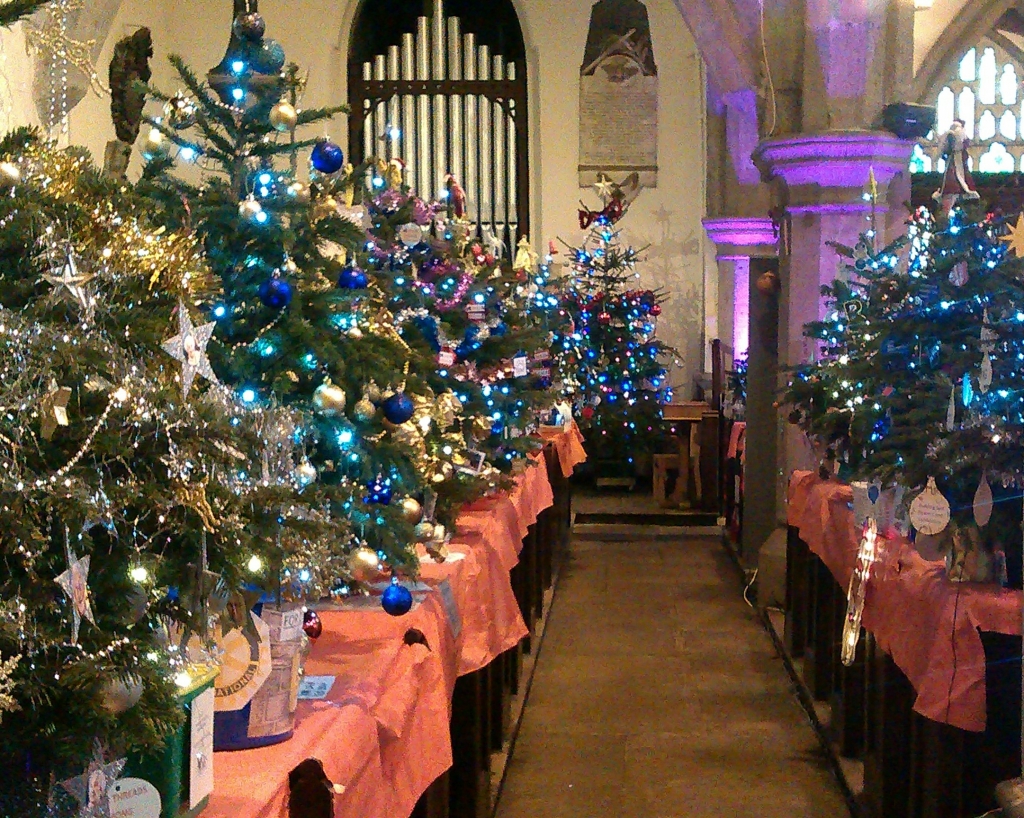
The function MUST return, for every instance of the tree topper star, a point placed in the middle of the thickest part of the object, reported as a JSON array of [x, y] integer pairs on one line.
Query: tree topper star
[[189, 347], [75, 583], [91, 787], [1015, 238], [604, 187]]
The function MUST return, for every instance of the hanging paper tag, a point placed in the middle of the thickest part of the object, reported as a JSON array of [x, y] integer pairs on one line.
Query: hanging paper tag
[[983, 502], [544, 373], [410, 234], [133, 798], [200, 779], [429, 504], [929, 513], [446, 357], [541, 355], [475, 462], [476, 312], [520, 366], [451, 610], [951, 411], [958, 275]]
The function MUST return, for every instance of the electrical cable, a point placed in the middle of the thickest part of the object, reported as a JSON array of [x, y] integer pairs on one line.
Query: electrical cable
[[753, 579], [768, 73]]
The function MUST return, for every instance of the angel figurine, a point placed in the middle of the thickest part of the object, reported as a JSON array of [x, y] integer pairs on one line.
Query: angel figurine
[[957, 183]]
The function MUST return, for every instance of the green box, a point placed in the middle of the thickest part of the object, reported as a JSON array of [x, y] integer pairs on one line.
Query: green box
[[168, 769]]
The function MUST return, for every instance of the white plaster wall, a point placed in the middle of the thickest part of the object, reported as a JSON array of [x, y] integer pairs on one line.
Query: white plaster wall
[[315, 35], [17, 106], [930, 23]]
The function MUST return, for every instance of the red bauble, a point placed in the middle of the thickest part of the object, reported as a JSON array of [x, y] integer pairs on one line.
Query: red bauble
[[604, 319], [588, 412], [655, 310], [312, 625]]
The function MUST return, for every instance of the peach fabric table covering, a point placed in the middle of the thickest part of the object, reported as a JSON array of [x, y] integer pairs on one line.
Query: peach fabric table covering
[[911, 607], [568, 443], [383, 732]]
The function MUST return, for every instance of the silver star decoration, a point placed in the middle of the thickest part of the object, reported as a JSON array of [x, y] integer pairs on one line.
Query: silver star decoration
[[90, 788], [189, 347], [75, 583], [74, 283], [604, 187]]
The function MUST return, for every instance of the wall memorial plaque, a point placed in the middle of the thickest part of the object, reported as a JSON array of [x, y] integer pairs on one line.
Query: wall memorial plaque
[[619, 95]]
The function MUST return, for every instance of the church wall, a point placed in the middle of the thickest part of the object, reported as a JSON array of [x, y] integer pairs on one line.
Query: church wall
[[315, 35]]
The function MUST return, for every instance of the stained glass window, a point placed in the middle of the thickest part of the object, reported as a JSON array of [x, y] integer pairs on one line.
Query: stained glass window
[[983, 91]]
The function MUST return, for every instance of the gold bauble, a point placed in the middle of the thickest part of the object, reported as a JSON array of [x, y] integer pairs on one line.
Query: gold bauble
[[372, 392], [249, 208], [284, 117], [305, 472], [424, 531], [10, 174], [329, 399], [412, 510], [356, 333], [364, 564], [365, 410]]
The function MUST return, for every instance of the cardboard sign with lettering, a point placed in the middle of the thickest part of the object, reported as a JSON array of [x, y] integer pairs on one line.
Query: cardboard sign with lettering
[[133, 798]]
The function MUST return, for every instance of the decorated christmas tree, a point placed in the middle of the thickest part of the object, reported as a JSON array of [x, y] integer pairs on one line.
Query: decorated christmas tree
[[611, 361], [464, 306], [127, 518], [300, 324], [917, 383]]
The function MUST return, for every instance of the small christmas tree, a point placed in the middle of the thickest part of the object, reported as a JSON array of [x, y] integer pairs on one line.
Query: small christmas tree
[[918, 374], [611, 361], [301, 324]]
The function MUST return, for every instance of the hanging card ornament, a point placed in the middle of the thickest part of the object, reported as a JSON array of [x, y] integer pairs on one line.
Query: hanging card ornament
[[985, 376], [968, 391], [983, 502], [988, 335], [958, 276], [951, 411], [855, 595], [929, 513]]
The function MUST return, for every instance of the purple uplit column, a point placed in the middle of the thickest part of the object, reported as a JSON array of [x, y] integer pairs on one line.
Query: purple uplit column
[[737, 240], [820, 185]]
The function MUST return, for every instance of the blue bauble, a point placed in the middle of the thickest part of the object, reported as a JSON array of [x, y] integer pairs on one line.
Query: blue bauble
[[327, 157], [427, 325], [275, 293], [269, 57], [500, 329], [397, 600], [379, 491], [398, 408], [352, 278]]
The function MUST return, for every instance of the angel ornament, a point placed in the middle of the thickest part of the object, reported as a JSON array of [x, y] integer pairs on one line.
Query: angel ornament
[[957, 183]]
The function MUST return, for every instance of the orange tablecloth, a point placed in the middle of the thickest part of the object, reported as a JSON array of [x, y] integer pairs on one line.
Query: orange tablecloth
[[911, 606], [568, 443], [383, 732]]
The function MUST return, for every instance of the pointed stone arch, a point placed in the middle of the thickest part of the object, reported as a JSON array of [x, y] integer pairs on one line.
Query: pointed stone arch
[[975, 20]]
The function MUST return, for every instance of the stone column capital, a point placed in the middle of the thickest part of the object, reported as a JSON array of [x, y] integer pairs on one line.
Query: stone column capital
[[834, 159], [743, 237]]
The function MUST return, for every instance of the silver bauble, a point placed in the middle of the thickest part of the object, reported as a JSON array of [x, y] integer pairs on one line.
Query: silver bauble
[[329, 399], [180, 112], [10, 174], [364, 564], [284, 117], [121, 695], [412, 511], [305, 472], [372, 392]]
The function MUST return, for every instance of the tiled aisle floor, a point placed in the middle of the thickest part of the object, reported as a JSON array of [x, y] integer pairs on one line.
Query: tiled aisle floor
[[657, 694]]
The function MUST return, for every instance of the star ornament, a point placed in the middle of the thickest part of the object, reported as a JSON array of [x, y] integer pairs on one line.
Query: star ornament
[[189, 347], [1015, 238], [604, 187], [53, 409], [75, 583], [91, 788], [73, 282]]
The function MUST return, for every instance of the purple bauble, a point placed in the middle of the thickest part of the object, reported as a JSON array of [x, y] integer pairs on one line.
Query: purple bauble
[[327, 157], [352, 278], [275, 293], [431, 270], [249, 26], [398, 408], [397, 599], [312, 624]]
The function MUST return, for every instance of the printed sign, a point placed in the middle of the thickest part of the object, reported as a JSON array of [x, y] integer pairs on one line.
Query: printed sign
[[134, 798], [200, 777], [314, 688]]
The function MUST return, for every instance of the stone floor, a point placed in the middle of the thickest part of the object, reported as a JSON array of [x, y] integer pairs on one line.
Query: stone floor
[[657, 694]]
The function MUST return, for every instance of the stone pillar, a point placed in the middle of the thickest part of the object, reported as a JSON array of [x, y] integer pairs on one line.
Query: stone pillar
[[820, 182], [747, 321], [737, 240]]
